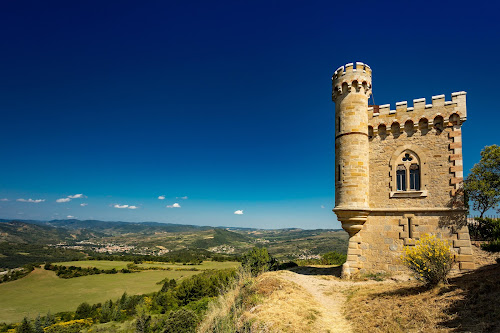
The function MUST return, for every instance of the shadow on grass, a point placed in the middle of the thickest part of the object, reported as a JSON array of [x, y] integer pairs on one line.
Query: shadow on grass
[[478, 309], [318, 270], [475, 299]]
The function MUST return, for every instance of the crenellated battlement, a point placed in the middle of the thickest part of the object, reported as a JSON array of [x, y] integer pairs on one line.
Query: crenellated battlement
[[439, 111], [349, 77]]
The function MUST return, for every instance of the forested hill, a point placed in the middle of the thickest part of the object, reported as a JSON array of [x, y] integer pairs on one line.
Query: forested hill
[[29, 233], [116, 228]]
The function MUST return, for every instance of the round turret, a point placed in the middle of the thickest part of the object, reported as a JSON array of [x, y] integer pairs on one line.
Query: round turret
[[351, 89]]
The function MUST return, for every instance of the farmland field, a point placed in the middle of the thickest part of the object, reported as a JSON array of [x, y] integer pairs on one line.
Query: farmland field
[[42, 291], [108, 264], [101, 264]]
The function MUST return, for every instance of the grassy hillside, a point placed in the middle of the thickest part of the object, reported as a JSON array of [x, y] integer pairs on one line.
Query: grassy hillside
[[42, 291]]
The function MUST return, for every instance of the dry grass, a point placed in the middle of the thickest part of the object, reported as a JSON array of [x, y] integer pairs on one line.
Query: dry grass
[[287, 307], [469, 303], [265, 304]]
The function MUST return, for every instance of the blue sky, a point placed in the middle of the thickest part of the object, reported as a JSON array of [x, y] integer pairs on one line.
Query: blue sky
[[225, 103]]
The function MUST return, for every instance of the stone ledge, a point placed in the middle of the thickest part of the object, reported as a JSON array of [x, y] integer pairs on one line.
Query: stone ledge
[[408, 194]]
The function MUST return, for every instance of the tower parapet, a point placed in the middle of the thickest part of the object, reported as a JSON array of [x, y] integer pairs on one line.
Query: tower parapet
[[440, 110]]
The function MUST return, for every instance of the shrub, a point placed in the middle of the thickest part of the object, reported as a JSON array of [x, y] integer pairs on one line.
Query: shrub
[[180, 321], [430, 259], [333, 258], [492, 246], [485, 228], [258, 260]]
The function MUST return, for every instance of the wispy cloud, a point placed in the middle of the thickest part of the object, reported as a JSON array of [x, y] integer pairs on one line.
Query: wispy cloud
[[125, 206], [120, 206], [77, 196], [70, 217], [63, 200], [31, 200], [175, 205], [322, 206], [84, 204], [238, 212], [4, 199], [161, 197], [183, 198]]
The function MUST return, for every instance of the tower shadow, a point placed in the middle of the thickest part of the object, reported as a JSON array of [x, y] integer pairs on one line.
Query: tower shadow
[[318, 270]]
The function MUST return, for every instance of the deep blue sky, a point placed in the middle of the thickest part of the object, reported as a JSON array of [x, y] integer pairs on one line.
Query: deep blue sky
[[227, 103]]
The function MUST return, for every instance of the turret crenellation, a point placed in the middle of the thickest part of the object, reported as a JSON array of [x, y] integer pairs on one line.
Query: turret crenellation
[[348, 77]]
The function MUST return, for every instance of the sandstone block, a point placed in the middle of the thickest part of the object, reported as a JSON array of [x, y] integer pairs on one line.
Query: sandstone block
[[464, 257], [467, 265], [465, 250], [461, 243]]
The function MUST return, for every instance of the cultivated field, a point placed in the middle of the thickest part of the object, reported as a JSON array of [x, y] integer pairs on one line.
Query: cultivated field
[[42, 291], [108, 264]]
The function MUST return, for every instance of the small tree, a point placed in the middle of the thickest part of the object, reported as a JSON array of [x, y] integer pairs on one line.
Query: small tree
[[38, 326], [181, 321], [430, 259], [482, 185], [83, 311], [258, 260], [24, 327]]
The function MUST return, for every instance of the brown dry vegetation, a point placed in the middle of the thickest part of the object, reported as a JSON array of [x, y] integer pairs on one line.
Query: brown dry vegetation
[[287, 307], [310, 299], [469, 303]]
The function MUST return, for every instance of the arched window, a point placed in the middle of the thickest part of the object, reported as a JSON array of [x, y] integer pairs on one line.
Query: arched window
[[407, 175]]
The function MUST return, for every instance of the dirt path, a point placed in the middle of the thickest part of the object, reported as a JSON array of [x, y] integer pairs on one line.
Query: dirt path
[[328, 292]]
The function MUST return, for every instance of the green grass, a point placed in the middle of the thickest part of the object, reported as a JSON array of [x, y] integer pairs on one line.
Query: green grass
[[42, 291], [101, 264], [108, 264], [204, 266]]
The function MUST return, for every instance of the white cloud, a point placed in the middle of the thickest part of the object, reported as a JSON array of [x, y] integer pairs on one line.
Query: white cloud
[[239, 212], [70, 217], [4, 199], [175, 205], [161, 197], [322, 206], [183, 198], [63, 200], [120, 206], [125, 206], [84, 204], [31, 200], [77, 196]]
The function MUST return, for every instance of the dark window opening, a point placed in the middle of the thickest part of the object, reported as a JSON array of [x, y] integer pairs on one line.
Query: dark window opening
[[414, 177], [401, 178]]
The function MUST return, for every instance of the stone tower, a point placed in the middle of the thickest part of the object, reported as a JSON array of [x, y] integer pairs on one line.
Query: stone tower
[[385, 192]]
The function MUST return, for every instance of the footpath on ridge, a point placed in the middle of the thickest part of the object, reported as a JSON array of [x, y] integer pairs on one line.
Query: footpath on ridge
[[329, 294]]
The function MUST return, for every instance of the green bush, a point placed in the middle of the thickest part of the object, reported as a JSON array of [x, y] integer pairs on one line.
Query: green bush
[[333, 258], [181, 321], [258, 260], [485, 228], [430, 259], [492, 246]]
